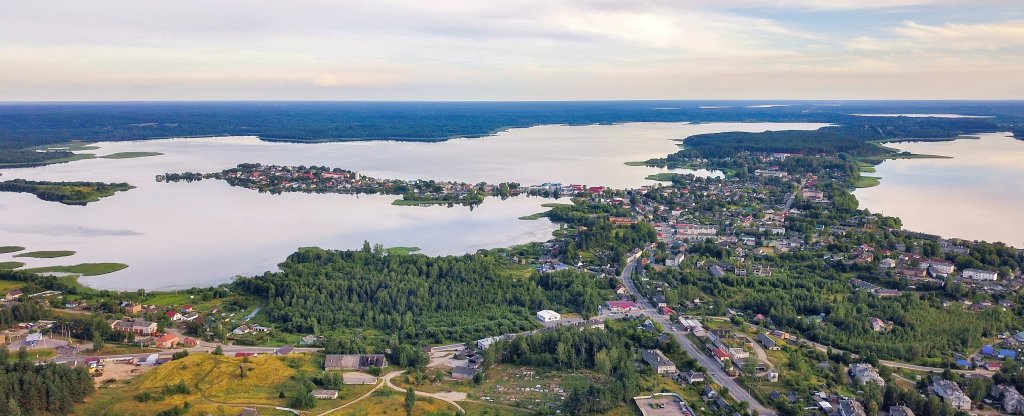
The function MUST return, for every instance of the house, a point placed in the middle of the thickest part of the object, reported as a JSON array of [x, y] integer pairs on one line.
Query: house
[[938, 267], [658, 361], [167, 341], [241, 330], [690, 377], [851, 408], [621, 306], [548, 316], [864, 373], [772, 376], [285, 350], [325, 394], [716, 271], [135, 326], [246, 354], [877, 324], [676, 260], [950, 393], [12, 295], [187, 309], [900, 411], [261, 329], [464, 372], [130, 308], [354, 361], [976, 274], [190, 342], [767, 342], [174, 315], [690, 325], [720, 354], [1012, 401]]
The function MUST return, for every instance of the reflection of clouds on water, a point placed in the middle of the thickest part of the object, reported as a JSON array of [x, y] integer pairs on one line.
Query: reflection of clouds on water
[[56, 230]]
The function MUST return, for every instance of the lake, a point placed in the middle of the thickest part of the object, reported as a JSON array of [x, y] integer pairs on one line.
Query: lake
[[179, 235], [976, 195]]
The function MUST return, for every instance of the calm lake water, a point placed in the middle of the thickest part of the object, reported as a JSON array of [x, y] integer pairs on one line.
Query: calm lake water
[[177, 235], [976, 195]]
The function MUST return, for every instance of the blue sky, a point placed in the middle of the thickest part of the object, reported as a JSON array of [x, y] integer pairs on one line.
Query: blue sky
[[511, 50]]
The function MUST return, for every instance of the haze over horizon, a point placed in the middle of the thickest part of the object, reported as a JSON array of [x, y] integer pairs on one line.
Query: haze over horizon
[[512, 50]]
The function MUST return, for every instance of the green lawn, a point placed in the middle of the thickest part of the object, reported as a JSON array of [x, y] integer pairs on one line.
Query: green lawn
[[85, 269], [661, 177], [46, 254], [402, 250], [10, 265], [10, 249], [130, 155], [533, 217], [9, 285], [866, 182]]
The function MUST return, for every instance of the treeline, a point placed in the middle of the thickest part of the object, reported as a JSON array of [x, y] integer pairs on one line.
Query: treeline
[[414, 298], [27, 388]]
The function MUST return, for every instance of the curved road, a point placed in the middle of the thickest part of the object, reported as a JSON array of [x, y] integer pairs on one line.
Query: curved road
[[711, 366], [439, 396]]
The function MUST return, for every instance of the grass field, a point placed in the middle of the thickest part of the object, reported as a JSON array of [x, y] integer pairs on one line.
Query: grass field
[[390, 402], [534, 217], [10, 249], [9, 285], [402, 250], [46, 254], [866, 182], [85, 269], [661, 177], [130, 155], [215, 384], [10, 265]]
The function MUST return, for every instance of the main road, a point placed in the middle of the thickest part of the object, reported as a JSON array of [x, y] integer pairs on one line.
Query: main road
[[711, 366]]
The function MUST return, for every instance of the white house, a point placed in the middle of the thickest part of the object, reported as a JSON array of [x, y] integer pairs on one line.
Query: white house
[[548, 316], [675, 261], [976, 274]]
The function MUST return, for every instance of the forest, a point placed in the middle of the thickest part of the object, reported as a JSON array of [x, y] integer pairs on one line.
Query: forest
[[415, 298], [27, 388], [68, 193], [27, 125]]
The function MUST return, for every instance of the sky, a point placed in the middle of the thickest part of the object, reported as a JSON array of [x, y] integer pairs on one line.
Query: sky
[[510, 50]]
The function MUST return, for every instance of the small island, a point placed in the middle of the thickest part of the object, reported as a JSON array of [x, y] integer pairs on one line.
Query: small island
[[67, 193], [51, 254], [10, 249], [130, 155]]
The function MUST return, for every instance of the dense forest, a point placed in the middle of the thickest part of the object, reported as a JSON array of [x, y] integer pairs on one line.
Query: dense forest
[[27, 388], [857, 137], [68, 193], [416, 298], [27, 125]]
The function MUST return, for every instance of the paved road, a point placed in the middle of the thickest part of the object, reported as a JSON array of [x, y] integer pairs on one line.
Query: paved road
[[711, 366]]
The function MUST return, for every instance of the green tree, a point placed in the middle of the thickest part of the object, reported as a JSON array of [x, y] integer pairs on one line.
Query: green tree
[[410, 400]]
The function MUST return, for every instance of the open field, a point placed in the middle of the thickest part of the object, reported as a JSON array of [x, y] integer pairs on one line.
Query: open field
[[10, 265], [390, 402], [85, 269], [9, 285], [46, 254], [10, 249], [866, 182], [214, 382], [130, 155]]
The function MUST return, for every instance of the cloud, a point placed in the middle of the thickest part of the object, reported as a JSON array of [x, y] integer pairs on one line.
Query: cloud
[[976, 37]]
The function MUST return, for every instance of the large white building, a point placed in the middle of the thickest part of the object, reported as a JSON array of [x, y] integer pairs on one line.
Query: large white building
[[976, 274], [548, 316]]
